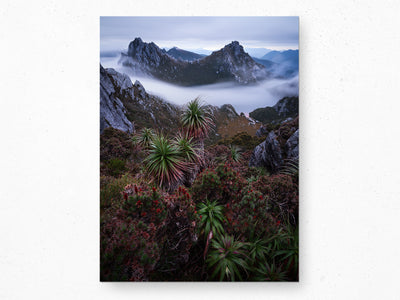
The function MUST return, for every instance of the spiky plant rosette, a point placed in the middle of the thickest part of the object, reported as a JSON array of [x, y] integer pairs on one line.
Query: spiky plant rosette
[[196, 119], [143, 138], [190, 151], [291, 168], [235, 153], [270, 272], [228, 258], [164, 162], [211, 217]]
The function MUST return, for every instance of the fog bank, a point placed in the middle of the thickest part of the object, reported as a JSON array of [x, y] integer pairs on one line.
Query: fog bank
[[243, 98]]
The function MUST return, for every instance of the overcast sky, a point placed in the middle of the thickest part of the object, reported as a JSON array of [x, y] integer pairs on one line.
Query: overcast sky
[[210, 33]]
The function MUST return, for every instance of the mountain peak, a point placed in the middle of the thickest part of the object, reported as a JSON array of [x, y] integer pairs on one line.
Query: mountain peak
[[234, 48], [148, 53], [183, 67], [137, 41], [234, 44]]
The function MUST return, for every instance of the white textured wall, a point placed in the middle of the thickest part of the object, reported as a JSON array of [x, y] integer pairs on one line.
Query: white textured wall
[[350, 204]]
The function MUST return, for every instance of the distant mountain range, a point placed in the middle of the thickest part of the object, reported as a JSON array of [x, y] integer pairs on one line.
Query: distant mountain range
[[287, 56], [287, 62], [231, 63]]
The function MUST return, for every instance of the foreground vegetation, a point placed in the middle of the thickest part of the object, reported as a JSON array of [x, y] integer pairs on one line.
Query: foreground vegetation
[[174, 210]]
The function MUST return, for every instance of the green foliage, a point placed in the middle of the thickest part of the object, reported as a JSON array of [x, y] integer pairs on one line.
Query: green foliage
[[291, 168], [289, 254], [227, 258], [144, 138], [111, 189], [196, 120], [258, 251], [211, 217], [144, 204], [243, 140], [235, 153], [251, 215], [129, 249], [254, 173], [283, 195], [115, 143], [221, 184], [165, 162], [189, 151], [270, 272], [116, 166]]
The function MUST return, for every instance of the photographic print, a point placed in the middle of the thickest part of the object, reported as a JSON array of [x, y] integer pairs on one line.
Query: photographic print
[[199, 149]]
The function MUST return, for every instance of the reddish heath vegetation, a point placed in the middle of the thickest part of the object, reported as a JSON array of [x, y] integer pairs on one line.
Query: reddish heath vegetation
[[175, 209]]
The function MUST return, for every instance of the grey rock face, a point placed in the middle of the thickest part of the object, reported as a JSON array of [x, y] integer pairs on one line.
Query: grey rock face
[[229, 110], [287, 106], [112, 111], [268, 154], [292, 145], [122, 81], [272, 155], [261, 132], [148, 53], [140, 90], [256, 159]]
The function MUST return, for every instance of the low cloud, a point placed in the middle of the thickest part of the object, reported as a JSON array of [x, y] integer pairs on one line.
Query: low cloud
[[243, 98]]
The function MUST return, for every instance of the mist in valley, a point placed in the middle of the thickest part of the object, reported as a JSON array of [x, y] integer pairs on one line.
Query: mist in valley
[[243, 98]]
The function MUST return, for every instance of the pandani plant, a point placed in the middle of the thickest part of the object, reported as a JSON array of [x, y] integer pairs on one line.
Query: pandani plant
[[143, 138], [227, 258], [165, 162], [197, 120]]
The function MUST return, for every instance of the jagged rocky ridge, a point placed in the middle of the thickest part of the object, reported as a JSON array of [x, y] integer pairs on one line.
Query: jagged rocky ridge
[[132, 105], [112, 110], [231, 63], [128, 107]]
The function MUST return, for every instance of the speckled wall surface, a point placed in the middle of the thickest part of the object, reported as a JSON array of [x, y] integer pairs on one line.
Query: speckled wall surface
[[349, 70]]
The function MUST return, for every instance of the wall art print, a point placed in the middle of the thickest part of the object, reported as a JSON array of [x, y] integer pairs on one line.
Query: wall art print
[[199, 149]]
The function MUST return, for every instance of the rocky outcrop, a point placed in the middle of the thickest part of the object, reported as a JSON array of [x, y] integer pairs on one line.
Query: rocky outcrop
[[231, 63], [287, 107], [123, 103], [229, 111], [283, 109], [268, 154], [262, 131], [276, 149], [112, 110], [292, 146]]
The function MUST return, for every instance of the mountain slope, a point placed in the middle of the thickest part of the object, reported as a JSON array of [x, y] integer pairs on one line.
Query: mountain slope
[[265, 62], [184, 55], [230, 63], [286, 107], [288, 62], [112, 110], [134, 105], [283, 56]]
